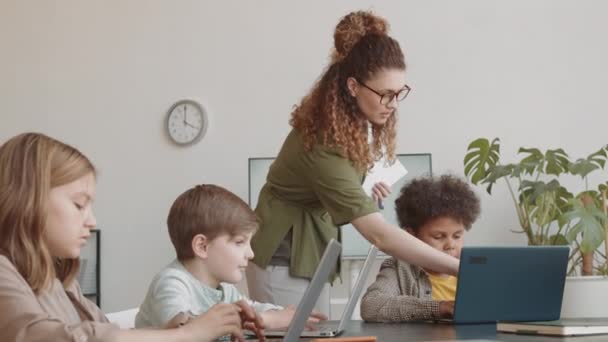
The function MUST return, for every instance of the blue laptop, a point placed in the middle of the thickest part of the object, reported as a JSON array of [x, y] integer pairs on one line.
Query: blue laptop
[[510, 284]]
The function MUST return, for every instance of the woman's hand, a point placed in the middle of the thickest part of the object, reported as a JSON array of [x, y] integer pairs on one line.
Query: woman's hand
[[380, 191], [398, 243]]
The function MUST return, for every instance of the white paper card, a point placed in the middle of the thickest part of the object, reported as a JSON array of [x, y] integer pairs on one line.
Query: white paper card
[[381, 172]]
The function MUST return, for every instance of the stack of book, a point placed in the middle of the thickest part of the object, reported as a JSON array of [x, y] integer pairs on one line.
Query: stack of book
[[562, 327]]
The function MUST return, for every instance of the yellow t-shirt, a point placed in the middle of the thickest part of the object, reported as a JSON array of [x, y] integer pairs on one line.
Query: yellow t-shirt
[[443, 288]]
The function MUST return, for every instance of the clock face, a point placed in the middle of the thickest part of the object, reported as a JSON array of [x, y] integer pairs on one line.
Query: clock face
[[186, 122]]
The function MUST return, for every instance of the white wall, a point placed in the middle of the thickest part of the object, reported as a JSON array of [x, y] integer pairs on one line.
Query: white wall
[[101, 74]]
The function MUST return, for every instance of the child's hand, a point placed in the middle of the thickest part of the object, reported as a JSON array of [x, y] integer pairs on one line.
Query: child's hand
[[380, 190], [314, 318], [251, 319], [279, 319], [222, 319], [446, 308]]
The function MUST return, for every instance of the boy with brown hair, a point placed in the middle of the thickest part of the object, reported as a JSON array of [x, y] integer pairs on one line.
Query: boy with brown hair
[[211, 230]]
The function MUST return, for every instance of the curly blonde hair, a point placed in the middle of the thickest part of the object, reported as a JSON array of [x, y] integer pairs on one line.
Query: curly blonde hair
[[328, 115]]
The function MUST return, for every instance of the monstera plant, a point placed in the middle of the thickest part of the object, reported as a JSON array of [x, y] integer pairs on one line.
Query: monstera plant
[[548, 213]]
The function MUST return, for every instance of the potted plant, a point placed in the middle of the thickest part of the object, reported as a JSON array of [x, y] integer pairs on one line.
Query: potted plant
[[548, 213]]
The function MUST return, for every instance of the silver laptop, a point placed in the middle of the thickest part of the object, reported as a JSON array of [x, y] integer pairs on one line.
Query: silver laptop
[[298, 322], [330, 329], [325, 329]]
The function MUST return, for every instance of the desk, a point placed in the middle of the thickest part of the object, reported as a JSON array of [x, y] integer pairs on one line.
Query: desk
[[397, 332]]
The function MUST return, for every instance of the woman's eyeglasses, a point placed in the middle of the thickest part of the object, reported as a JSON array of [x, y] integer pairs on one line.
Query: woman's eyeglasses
[[388, 97]]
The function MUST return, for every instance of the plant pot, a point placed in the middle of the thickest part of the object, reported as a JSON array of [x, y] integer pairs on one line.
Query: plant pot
[[585, 297]]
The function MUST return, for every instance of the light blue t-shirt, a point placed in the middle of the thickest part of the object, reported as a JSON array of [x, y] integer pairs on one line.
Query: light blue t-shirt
[[175, 290]]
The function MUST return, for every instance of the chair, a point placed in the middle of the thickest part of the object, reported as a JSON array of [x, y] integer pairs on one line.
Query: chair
[[124, 319]]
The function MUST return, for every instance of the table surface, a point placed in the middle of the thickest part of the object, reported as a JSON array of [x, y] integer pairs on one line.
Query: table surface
[[388, 332]]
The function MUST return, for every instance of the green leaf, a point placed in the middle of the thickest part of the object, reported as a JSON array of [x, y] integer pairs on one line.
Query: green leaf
[[563, 199], [588, 224], [532, 190], [519, 170], [533, 162], [582, 167], [481, 157], [558, 240], [557, 162], [599, 157], [562, 221], [495, 173], [546, 202], [573, 232]]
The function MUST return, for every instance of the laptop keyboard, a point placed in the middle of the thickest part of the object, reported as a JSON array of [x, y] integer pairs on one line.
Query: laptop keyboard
[[325, 327]]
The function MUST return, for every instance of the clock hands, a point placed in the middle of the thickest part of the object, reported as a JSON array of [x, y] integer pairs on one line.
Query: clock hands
[[186, 123]]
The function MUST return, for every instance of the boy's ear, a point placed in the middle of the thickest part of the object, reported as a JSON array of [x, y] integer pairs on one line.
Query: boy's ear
[[200, 244], [411, 231]]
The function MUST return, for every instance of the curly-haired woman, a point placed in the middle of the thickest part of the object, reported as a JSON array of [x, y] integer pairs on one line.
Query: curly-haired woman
[[314, 185], [437, 211]]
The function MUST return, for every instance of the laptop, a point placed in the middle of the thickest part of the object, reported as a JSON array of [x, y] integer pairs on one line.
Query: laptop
[[510, 284], [333, 328], [324, 329], [300, 317]]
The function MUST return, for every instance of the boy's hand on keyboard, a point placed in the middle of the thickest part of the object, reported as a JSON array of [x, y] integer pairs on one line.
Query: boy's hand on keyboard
[[314, 318], [446, 308], [251, 319], [219, 320], [280, 319]]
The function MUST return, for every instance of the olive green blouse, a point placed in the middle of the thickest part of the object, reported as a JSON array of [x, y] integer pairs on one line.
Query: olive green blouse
[[311, 193]]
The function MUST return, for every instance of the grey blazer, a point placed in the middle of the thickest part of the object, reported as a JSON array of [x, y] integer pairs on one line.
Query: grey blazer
[[401, 292]]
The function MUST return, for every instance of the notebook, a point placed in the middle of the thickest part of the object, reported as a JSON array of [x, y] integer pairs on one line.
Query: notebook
[[329, 329], [510, 284], [561, 327]]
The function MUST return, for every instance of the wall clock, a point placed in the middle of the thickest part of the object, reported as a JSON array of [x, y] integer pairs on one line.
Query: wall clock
[[186, 122]]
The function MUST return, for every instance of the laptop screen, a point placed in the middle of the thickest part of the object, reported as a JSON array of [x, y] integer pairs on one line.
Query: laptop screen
[[510, 283], [326, 265], [358, 287]]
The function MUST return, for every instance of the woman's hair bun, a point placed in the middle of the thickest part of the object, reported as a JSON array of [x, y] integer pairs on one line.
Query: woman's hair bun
[[352, 28]]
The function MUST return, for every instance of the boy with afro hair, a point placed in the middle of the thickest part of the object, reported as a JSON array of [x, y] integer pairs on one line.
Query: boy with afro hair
[[438, 211]]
